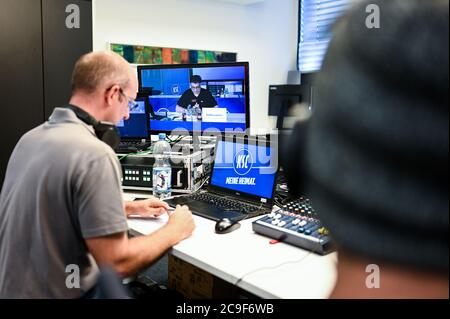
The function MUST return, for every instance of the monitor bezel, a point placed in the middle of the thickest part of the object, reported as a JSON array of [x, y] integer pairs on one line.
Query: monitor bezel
[[201, 65]]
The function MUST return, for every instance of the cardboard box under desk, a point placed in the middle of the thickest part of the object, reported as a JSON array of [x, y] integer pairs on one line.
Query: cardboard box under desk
[[195, 283]]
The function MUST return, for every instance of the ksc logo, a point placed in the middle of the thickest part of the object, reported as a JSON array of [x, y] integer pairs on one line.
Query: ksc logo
[[243, 162]]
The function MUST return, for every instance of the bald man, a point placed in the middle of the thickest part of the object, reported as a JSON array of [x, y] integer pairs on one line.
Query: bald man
[[61, 207]]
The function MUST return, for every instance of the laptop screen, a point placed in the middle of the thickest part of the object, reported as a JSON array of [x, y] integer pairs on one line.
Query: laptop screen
[[136, 126], [245, 168]]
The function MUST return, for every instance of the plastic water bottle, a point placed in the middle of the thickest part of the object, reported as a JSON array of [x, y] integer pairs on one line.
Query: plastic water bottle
[[162, 171]]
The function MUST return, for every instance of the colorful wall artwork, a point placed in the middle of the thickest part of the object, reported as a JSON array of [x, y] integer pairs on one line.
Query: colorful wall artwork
[[156, 55]]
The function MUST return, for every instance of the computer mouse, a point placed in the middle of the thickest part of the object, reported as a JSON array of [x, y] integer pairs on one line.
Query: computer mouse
[[226, 225]]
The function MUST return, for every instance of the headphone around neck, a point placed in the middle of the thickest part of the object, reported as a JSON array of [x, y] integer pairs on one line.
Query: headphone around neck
[[105, 131]]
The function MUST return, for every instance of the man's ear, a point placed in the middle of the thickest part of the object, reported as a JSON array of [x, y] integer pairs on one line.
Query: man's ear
[[110, 94]]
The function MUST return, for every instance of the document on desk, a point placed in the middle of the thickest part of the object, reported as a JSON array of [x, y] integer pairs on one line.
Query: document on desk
[[151, 217], [128, 197], [157, 219], [144, 225]]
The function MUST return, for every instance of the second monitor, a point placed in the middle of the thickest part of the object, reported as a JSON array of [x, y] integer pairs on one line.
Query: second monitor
[[136, 127], [187, 98]]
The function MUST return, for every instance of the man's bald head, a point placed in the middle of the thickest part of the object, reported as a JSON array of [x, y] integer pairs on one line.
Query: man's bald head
[[100, 70]]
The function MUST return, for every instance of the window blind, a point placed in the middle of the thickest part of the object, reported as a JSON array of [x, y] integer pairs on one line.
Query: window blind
[[316, 19]]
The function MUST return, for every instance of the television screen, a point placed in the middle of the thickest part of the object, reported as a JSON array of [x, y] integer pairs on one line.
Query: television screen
[[188, 98], [136, 127]]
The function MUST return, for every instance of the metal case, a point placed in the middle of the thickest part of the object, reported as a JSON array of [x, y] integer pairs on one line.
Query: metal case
[[189, 170]]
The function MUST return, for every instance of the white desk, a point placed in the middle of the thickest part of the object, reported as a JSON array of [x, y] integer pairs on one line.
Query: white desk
[[247, 259]]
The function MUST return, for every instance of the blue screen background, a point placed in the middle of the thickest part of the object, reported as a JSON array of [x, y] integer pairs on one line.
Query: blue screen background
[[262, 169], [176, 81], [136, 126], [194, 126], [169, 84]]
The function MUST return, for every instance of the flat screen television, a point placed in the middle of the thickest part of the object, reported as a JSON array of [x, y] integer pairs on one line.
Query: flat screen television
[[202, 98]]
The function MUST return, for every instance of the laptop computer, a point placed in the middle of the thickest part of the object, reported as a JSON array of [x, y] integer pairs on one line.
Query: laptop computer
[[242, 182], [134, 132]]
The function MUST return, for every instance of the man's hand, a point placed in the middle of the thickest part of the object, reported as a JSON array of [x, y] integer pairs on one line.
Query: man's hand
[[151, 207], [129, 255], [181, 223]]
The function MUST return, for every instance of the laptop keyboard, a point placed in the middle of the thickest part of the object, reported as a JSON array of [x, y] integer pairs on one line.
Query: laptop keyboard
[[224, 203]]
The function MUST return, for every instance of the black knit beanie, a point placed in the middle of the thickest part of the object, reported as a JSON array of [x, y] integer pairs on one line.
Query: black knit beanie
[[377, 142]]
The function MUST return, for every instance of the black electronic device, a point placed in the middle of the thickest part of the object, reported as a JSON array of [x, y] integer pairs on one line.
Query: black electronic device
[[137, 172], [136, 128], [242, 181], [282, 98], [134, 132], [219, 103], [189, 170], [225, 226], [296, 223], [286, 96]]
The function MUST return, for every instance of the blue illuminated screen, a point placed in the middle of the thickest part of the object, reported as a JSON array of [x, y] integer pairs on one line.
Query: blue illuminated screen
[[245, 168], [224, 85], [136, 126]]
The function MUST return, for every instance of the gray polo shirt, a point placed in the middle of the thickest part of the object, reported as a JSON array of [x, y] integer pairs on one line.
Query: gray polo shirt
[[62, 186]]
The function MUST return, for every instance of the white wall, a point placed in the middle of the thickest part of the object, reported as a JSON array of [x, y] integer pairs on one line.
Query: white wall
[[264, 34]]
